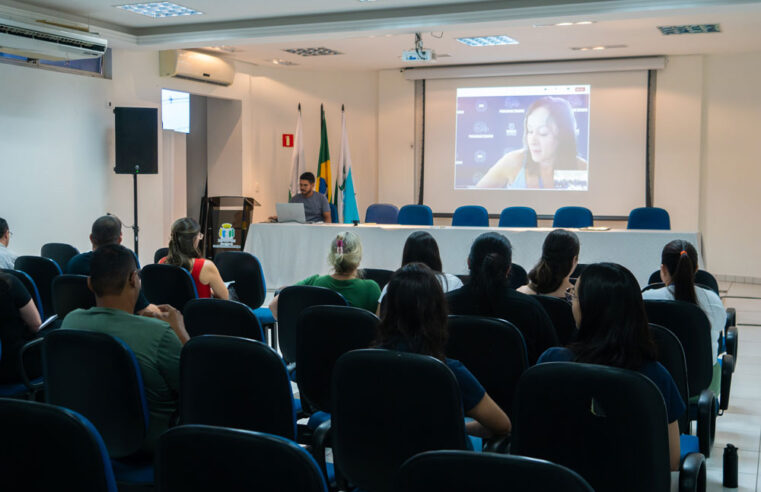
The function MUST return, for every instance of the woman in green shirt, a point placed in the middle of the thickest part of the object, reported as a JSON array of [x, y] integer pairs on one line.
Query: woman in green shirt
[[344, 257]]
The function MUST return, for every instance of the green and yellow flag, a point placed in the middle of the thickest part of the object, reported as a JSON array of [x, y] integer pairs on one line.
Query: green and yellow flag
[[324, 177]]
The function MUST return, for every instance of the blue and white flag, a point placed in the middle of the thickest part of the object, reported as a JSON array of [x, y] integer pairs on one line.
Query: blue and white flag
[[347, 200]]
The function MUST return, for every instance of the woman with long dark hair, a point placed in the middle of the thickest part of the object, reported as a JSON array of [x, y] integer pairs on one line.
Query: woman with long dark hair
[[551, 276], [414, 319], [184, 253], [613, 331], [489, 294]]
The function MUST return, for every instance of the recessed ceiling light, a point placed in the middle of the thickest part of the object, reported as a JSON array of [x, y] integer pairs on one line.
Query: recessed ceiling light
[[158, 10], [285, 63], [599, 47], [487, 41], [363, 1], [566, 24]]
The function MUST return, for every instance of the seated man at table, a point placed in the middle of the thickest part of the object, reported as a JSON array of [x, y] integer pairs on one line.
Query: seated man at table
[[156, 343], [316, 206]]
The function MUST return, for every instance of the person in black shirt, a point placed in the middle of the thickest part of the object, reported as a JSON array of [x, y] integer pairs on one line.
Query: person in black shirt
[[19, 322], [488, 294]]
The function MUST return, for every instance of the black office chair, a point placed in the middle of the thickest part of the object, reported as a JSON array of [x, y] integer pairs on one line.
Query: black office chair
[[160, 253], [378, 275], [30, 287], [45, 447], [42, 271], [203, 458], [702, 278], [561, 314], [70, 292], [246, 271], [493, 350], [387, 407], [168, 284], [220, 317], [435, 471], [517, 276], [235, 382], [607, 424], [292, 302], [61, 253]]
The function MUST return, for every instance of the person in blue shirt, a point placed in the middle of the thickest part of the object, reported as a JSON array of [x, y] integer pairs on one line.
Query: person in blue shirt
[[414, 319], [613, 331]]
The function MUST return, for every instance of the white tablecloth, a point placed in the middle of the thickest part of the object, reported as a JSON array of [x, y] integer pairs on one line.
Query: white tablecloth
[[292, 252]]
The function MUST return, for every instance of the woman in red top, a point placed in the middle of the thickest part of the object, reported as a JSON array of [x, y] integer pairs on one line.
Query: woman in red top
[[183, 252]]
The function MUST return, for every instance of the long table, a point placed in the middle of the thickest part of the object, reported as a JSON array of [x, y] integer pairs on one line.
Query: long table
[[292, 252]]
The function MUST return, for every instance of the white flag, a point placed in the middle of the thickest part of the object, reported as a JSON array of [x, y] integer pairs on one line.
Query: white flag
[[346, 197], [298, 164]]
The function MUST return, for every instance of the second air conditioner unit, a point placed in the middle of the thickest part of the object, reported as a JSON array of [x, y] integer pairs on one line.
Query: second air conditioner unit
[[196, 66]]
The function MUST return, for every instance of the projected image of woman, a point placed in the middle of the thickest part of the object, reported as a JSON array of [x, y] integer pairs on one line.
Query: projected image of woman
[[549, 145]]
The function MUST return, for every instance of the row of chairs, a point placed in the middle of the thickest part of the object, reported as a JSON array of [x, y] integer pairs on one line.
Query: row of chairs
[[478, 216]]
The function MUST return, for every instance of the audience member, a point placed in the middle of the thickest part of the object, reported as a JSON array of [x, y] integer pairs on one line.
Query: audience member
[[414, 319], [184, 252], [106, 230], [316, 206], [345, 255], [19, 323], [488, 294], [156, 343], [551, 276], [679, 263], [613, 331], [7, 257]]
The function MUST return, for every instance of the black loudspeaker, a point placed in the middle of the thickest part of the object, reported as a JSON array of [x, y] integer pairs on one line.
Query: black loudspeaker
[[136, 140]]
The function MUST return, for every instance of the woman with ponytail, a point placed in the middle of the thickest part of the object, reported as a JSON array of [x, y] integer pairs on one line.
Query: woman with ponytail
[[489, 294], [344, 257], [551, 276], [184, 253]]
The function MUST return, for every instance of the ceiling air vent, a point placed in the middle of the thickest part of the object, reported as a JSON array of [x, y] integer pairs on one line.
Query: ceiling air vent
[[689, 29], [321, 51]]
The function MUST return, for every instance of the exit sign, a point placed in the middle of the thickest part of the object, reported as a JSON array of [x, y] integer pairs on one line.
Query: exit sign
[[287, 139]]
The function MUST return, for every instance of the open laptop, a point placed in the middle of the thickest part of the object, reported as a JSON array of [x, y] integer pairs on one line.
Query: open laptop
[[290, 212]]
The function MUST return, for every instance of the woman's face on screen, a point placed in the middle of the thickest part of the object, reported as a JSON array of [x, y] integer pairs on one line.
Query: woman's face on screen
[[541, 136]]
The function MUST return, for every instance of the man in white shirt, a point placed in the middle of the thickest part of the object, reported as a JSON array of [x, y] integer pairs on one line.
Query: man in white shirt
[[7, 257]]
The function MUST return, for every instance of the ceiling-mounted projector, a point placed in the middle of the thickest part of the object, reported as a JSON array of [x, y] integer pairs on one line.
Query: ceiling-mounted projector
[[418, 53]]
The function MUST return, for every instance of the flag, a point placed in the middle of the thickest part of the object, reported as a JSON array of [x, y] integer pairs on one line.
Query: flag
[[346, 200], [298, 164], [324, 178]]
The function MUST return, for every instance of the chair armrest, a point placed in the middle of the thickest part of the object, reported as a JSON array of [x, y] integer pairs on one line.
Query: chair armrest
[[730, 339], [706, 421], [727, 368], [731, 317], [320, 440], [34, 345], [692, 473], [499, 445]]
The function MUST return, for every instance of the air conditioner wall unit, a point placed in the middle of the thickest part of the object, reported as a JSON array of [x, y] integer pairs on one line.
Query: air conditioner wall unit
[[48, 42], [196, 66]]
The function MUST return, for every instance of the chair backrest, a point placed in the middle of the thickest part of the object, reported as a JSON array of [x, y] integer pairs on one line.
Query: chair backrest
[[415, 215], [380, 276], [160, 253], [493, 350], [572, 414], [61, 253], [45, 447], [649, 218], [517, 276], [30, 287], [98, 376], [573, 217], [434, 471], [202, 457], [324, 334], [413, 402], [518, 217], [702, 279], [246, 271], [691, 326], [168, 284], [221, 317], [235, 382], [70, 292], [470, 215], [561, 314], [382, 213], [671, 356], [42, 271], [292, 302]]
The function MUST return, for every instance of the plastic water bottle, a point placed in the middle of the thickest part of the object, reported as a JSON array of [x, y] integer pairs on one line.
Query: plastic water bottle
[[730, 467]]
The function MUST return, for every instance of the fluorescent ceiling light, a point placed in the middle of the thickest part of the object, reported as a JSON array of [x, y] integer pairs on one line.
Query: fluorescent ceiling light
[[285, 63], [158, 10], [487, 41], [566, 24], [599, 47]]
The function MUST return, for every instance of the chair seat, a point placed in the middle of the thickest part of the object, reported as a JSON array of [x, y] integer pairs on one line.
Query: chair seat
[[265, 316], [133, 471], [688, 444], [317, 418]]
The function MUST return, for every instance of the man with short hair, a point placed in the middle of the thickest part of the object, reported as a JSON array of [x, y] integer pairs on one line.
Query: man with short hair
[[156, 343], [316, 206], [7, 257]]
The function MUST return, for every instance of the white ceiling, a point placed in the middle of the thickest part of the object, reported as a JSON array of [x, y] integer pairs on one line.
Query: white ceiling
[[372, 35]]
